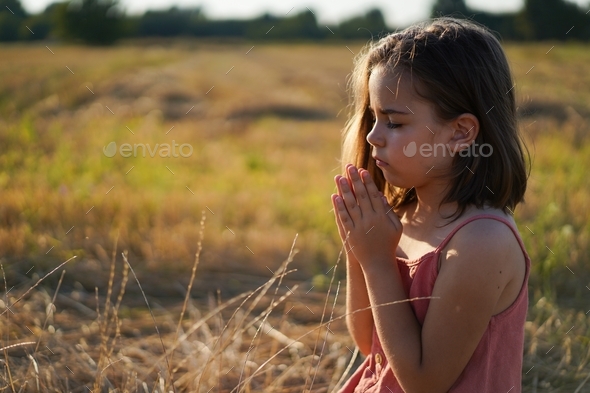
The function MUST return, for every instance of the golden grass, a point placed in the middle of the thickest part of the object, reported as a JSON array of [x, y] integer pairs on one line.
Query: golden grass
[[266, 139], [236, 345]]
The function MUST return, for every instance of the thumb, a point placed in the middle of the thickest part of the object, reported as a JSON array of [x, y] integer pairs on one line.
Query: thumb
[[391, 214], [388, 208]]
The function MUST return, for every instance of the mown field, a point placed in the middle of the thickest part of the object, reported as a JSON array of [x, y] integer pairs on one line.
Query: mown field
[[252, 201]]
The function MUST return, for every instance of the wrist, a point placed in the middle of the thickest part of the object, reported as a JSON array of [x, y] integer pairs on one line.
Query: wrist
[[353, 266], [377, 266]]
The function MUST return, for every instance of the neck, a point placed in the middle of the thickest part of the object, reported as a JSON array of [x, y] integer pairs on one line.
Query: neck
[[428, 209]]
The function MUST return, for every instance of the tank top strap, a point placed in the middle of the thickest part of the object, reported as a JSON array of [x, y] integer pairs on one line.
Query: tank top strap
[[443, 244]]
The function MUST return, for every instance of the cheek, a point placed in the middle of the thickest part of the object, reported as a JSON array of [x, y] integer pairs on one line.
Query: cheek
[[406, 146], [414, 156], [422, 143]]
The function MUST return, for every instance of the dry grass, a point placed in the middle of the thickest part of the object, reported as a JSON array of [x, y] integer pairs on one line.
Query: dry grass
[[257, 340], [266, 141], [235, 345]]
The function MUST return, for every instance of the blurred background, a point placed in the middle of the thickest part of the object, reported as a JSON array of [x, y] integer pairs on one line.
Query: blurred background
[[258, 90], [106, 21]]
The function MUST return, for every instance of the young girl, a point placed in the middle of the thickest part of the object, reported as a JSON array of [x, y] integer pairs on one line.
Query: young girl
[[434, 167]]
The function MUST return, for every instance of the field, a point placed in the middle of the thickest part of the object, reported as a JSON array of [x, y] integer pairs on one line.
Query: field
[[219, 269]]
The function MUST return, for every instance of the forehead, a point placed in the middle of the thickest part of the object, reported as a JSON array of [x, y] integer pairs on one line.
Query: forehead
[[387, 86]]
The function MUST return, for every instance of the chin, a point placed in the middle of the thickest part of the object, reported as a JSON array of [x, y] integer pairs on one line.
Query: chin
[[396, 181]]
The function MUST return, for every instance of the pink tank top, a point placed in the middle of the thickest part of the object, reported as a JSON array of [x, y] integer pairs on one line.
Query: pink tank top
[[496, 364]]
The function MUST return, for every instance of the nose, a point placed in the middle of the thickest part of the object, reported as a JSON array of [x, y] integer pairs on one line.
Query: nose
[[373, 136]]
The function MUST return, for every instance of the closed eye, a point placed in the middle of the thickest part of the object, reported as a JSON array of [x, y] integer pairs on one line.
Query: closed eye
[[389, 124]]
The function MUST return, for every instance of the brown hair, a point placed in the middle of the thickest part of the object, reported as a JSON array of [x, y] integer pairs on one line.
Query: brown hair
[[460, 67]]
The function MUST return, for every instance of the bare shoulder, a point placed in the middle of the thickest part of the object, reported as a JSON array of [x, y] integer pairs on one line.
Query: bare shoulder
[[488, 248], [481, 275], [488, 235]]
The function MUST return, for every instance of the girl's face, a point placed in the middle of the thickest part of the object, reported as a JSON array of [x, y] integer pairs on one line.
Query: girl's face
[[407, 138]]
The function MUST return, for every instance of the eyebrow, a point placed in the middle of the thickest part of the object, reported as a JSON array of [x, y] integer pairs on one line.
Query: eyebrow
[[392, 111], [389, 111]]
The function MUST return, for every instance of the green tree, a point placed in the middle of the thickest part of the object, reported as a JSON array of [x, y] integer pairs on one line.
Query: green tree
[[299, 26], [261, 26], [11, 16], [95, 22], [39, 26], [372, 23], [554, 19], [449, 7], [167, 23]]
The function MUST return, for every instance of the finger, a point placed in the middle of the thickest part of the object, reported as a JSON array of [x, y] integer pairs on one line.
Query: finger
[[390, 212], [397, 223], [362, 196], [342, 213], [347, 178], [341, 231], [345, 220], [374, 195], [345, 192]]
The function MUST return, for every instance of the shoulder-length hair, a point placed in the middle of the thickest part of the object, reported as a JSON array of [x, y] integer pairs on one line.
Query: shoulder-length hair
[[459, 67]]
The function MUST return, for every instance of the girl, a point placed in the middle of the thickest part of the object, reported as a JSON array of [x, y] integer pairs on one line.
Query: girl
[[434, 137]]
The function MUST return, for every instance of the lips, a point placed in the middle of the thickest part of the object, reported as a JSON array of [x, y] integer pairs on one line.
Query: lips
[[379, 162]]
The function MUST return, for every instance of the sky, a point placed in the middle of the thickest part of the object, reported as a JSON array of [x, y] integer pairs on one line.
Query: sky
[[398, 13]]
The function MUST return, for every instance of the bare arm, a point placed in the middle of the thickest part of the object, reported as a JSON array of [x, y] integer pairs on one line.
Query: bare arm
[[360, 324], [480, 263], [429, 358]]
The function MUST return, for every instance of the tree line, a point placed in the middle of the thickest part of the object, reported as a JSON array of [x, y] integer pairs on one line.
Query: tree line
[[101, 22]]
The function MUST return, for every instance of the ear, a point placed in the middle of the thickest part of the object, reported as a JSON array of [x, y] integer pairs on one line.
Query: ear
[[465, 129]]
